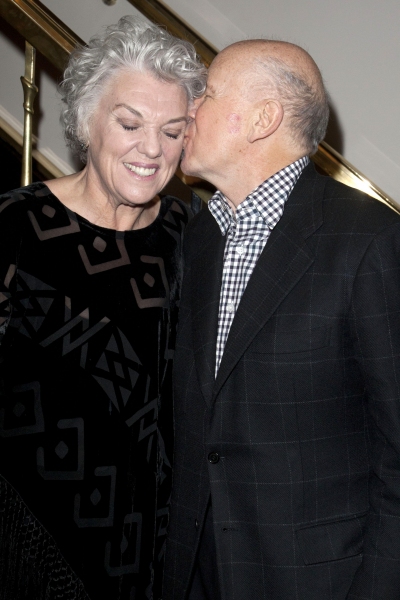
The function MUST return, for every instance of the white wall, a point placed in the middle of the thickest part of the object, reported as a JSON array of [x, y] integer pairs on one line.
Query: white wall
[[85, 17], [356, 43]]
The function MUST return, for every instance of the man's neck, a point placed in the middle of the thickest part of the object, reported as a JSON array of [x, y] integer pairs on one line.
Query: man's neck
[[236, 191]]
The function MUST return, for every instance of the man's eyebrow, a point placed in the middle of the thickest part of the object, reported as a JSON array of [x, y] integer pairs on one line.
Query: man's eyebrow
[[139, 114]]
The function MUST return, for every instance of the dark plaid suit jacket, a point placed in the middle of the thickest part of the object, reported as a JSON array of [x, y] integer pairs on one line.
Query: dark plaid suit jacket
[[298, 438]]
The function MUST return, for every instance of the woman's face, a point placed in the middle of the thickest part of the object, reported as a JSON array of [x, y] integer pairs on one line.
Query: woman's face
[[136, 137]]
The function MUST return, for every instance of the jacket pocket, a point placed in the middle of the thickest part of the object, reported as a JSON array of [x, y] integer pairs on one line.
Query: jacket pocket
[[331, 541], [285, 342]]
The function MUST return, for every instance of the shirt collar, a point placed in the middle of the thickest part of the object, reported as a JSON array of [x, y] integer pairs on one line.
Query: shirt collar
[[267, 201]]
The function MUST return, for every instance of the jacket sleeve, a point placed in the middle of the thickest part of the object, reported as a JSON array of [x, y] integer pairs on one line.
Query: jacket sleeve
[[375, 314]]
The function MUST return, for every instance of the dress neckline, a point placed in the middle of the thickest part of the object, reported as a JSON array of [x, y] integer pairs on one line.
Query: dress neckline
[[74, 216]]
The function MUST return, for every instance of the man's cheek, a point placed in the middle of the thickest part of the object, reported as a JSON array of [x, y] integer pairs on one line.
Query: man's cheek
[[234, 123]]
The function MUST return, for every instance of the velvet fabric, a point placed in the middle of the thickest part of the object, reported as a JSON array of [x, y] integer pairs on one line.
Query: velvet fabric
[[89, 317]]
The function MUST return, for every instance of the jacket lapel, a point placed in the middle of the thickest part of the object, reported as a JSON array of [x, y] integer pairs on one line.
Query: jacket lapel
[[284, 260], [206, 275]]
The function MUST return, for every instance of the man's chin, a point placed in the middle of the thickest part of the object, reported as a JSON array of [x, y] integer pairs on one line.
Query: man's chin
[[187, 166]]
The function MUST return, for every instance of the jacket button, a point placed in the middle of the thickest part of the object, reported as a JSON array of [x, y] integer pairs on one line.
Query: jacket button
[[213, 458]]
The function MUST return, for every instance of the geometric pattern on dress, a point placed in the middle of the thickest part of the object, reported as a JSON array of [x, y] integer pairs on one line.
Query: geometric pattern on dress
[[146, 414], [150, 279], [101, 245], [147, 418], [164, 460], [24, 414], [48, 212], [35, 299], [161, 527], [5, 298], [172, 221], [78, 324], [123, 557], [125, 511], [95, 508], [117, 369], [69, 445], [15, 198]]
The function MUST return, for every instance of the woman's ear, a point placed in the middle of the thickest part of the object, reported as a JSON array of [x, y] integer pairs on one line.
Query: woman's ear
[[268, 115]]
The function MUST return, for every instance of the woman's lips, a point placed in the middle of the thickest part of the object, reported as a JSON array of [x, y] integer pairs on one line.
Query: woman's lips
[[141, 171]]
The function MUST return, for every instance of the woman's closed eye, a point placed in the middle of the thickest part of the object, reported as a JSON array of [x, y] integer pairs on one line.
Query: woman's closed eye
[[130, 127], [173, 135]]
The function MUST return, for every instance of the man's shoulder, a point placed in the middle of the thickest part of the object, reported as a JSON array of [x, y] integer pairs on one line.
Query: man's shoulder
[[355, 205], [344, 203], [201, 223], [201, 230]]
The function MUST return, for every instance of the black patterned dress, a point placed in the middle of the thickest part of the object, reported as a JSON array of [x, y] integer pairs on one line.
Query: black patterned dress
[[87, 328]]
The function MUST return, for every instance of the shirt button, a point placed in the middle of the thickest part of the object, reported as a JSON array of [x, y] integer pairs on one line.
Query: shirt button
[[230, 307], [213, 458], [240, 250]]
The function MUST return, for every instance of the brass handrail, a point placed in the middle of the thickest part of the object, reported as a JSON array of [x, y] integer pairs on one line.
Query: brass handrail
[[330, 161], [161, 15], [45, 32], [42, 29], [30, 91]]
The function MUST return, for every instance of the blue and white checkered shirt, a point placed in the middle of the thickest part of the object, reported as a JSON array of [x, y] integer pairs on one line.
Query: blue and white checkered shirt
[[248, 230]]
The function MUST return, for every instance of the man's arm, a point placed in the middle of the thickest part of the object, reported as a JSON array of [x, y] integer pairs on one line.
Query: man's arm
[[376, 321]]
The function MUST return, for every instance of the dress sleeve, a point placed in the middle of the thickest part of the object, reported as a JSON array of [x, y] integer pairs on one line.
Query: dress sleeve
[[376, 327], [10, 239]]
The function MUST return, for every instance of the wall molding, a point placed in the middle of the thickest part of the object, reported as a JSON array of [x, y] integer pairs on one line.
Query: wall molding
[[44, 156]]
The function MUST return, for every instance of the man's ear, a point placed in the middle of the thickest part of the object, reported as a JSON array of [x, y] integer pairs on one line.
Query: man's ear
[[268, 115]]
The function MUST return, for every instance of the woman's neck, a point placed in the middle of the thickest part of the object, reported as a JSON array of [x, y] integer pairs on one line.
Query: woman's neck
[[85, 197]]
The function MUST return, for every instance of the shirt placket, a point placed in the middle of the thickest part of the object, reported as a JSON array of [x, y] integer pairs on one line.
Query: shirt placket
[[231, 289]]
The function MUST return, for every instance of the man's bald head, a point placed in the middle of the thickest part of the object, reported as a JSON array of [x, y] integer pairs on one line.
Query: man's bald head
[[288, 73]]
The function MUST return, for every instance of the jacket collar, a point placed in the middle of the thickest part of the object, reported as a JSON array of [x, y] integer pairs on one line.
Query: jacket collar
[[284, 260]]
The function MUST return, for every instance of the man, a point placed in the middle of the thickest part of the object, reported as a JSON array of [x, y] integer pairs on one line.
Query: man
[[287, 406]]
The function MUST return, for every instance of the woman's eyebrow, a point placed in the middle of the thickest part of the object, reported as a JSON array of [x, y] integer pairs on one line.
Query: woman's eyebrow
[[139, 114], [177, 120], [132, 110]]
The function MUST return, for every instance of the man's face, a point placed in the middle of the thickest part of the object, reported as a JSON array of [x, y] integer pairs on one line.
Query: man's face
[[214, 144]]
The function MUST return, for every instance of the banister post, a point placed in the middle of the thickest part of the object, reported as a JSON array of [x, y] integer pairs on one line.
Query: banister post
[[30, 91]]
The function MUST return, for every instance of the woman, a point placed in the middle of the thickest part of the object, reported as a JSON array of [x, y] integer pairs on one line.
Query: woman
[[89, 286]]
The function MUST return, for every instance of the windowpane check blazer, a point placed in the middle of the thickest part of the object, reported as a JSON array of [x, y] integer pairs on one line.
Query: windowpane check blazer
[[297, 440]]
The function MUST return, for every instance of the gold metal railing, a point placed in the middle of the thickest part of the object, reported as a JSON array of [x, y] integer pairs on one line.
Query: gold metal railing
[[30, 91], [327, 159], [161, 15], [41, 28], [45, 32]]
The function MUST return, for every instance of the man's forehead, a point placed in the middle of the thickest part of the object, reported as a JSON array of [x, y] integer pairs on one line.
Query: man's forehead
[[223, 78]]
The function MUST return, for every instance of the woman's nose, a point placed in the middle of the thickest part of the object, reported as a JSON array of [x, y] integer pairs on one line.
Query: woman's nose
[[150, 144]]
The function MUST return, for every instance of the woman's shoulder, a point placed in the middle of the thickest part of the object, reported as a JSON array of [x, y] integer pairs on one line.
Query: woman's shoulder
[[173, 207], [20, 198]]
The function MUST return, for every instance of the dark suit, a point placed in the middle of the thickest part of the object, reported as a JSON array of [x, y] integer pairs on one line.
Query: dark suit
[[298, 438]]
